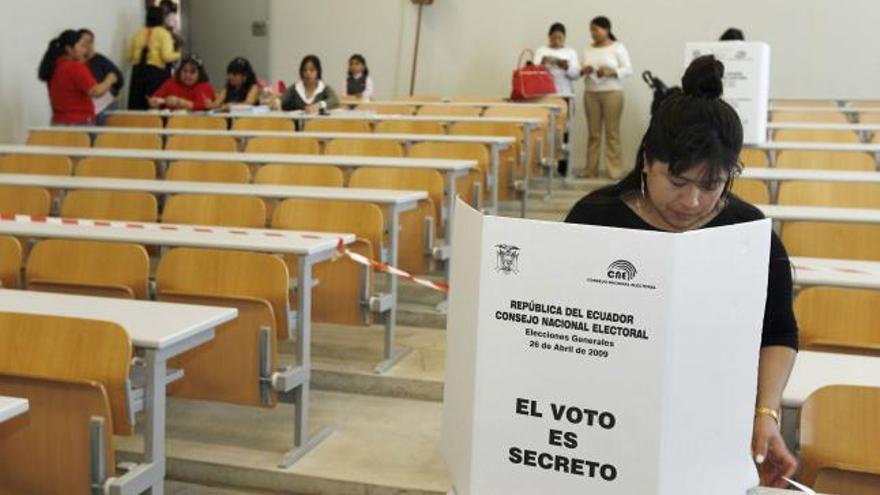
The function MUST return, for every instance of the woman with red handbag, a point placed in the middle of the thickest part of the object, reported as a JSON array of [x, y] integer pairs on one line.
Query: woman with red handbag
[[560, 60], [606, 63]]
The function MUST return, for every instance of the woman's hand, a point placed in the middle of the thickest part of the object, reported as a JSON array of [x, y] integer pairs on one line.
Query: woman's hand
[[172, 102], [313, 108], [155, 102], [110, 79], [770, 453], [587, 70]]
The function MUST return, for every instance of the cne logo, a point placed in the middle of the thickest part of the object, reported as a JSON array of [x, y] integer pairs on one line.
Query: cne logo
[[622, 270]]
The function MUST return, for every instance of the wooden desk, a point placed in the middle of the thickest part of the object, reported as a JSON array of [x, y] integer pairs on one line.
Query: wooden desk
[[310, 248], [11, 407], [836, 273], [394, 202], [773, 176], [299, 117], [784, 213], [161, 330], [554, 108], [808, 109], [453, 169], [814, 370], [495, 144]]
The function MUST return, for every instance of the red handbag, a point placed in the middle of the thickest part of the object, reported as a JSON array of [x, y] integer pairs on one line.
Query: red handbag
[[530, 80]]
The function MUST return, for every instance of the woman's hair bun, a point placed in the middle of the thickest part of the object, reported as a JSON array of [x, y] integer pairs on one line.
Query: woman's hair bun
[[703, 78]]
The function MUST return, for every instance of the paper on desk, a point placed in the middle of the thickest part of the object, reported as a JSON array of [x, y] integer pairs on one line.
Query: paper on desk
[[799, 486], [102, 102]]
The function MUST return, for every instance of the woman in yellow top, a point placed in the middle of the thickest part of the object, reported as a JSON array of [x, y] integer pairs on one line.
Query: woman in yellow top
[[152, 50]]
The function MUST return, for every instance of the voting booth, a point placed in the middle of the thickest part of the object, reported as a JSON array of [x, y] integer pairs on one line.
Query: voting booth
[[746, 81], [597, 360]]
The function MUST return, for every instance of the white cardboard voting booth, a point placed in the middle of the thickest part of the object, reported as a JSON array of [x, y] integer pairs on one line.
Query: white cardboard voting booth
[[604, 361], [746, 81]]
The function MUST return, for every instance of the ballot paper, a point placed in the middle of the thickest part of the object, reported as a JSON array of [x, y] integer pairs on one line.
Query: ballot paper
[[102, 102], [585, 359]]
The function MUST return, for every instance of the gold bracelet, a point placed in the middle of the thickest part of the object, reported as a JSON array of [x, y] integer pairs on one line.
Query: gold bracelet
[[773, 413]]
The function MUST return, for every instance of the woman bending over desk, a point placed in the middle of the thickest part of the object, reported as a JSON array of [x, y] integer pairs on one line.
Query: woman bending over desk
[[682, 179]]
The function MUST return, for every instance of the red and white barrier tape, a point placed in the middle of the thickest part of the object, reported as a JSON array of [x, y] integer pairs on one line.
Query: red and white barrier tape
[[8, 217], [340, 248], [383, 267]]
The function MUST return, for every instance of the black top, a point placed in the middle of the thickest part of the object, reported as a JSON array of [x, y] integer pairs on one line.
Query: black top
[[237, 95], [101, 66], [780, 327]]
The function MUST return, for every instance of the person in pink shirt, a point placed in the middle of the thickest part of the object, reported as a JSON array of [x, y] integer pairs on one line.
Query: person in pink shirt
[[189, 89]]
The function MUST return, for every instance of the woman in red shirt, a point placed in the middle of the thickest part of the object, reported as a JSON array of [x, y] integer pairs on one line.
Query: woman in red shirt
[[71, 85], [188, 90]]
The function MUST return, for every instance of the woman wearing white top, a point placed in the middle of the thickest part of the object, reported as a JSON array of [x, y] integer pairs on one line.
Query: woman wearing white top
[[563, 63], [606, 63], [560, 60]]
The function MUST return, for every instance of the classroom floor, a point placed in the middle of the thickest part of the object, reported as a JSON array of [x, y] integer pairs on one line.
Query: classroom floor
[[380, 445]]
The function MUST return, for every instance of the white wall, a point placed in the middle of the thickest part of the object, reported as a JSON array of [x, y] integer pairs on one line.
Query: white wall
[[334, 30], [220, 30], [469, 47], [24, 34]]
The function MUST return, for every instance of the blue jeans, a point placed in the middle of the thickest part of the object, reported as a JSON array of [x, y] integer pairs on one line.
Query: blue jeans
[[102, 117]]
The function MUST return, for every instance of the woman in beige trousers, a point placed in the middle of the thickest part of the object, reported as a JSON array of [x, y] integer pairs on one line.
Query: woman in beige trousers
[[606, 63]]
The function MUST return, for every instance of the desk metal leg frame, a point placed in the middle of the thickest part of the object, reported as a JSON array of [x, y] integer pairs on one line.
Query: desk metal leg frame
[[527, 151], [551, 144], [302, 442], [494, 177], [392, 355]]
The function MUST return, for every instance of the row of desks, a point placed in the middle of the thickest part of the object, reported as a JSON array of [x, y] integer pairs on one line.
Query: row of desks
[[393, 201], [452, 169], [495, 144], [528, 125], [163, 330]]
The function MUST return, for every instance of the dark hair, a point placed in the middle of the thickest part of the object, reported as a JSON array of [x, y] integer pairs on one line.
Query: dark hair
[[315, 61], [556, 27], [732, 34], [195, 62], [692, 126], [240, 65], [86, 31], [604, 23], [154, 17], [357, 57], [57, 47]]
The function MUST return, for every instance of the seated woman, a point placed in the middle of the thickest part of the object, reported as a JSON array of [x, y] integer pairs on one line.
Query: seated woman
[[309, 94], [358, 84], [189, 89], [71, 84], [682, 179], [241, 86]]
